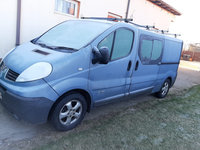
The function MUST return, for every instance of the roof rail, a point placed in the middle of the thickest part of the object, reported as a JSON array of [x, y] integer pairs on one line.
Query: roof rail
[[151, 28], [109, 19], [119, 19], [175, 35], [142, 26], [166, 32]]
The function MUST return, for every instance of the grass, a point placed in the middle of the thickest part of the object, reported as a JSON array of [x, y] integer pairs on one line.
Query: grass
[[171, 123]]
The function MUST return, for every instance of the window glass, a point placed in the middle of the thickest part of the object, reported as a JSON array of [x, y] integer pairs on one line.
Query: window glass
[[157, 50], [107, 42], [67, 6], [73, 34], [150, 50], [145, 50], [123, 43]]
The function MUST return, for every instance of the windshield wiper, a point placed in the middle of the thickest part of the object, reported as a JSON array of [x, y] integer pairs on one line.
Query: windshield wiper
[[44, 45], [63, 47], [56, 47]]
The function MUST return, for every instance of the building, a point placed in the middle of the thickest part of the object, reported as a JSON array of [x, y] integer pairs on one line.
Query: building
[[195, 47], [23, 20]]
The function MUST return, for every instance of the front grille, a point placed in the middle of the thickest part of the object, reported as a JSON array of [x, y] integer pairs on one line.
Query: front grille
[[11, 75]]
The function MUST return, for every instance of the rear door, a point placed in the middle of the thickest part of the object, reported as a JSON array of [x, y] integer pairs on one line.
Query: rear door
[[110, 81], [147, 64]]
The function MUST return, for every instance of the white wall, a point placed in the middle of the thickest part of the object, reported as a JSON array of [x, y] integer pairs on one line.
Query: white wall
[[8, 9], [147, 13], [37, 17], [100, 8], [142, 11]]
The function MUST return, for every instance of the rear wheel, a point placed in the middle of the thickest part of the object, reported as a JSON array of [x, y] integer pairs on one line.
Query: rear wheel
[[69, 112], [164, 90]]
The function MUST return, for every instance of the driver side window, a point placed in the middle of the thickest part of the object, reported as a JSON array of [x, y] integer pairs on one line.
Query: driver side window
[[119, 43]]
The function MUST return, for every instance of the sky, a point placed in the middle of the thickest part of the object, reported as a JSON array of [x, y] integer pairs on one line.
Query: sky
[[188, 24]]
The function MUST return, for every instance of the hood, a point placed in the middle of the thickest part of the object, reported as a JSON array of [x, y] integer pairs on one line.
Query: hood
[[27, 54]]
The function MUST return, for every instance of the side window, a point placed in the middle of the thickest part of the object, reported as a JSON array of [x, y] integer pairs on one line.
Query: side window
[[150, 50], [145, 50], [157, 50], [107, 42], [123, 43], [69, 7]]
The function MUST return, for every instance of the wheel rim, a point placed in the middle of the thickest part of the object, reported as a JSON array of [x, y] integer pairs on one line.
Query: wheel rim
[[70, 112], [165, 88]]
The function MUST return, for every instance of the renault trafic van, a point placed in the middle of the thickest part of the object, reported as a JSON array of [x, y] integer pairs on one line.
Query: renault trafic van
[[80, 64]]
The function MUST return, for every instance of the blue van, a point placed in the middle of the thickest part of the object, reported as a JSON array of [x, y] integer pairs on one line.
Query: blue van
[[80, 64]]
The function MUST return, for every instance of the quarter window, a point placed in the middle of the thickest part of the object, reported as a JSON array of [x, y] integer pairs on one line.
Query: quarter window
[[107, 42], [69, 7], [150, 50]]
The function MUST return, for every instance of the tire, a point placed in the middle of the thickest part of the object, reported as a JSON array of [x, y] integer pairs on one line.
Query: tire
[[69, 112], [164, 89]]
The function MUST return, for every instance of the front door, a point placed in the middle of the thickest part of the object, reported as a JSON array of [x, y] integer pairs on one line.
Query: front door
[[108, 81], [147, 64]]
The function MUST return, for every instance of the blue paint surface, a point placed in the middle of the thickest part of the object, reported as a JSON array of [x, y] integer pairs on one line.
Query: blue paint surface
[[74, 70]]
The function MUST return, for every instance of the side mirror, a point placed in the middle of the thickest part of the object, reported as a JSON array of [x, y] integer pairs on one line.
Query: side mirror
[[101, 55]]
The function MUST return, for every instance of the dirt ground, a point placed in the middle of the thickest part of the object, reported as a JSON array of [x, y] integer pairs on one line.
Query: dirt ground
[[14, 132]]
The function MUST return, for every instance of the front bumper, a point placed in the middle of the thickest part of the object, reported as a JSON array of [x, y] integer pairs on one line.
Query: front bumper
[[33, 110]]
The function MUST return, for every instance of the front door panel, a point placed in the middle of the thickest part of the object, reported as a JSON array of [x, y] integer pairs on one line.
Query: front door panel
[[109, 80], [112, 80]]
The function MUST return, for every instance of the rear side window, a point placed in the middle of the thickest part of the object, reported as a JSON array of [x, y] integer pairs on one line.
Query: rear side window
[[157, 50], [123, 43], [150, 51], [145, 51]]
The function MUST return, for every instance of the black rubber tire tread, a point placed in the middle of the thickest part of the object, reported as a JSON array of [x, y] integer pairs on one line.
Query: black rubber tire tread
[[55, 113]]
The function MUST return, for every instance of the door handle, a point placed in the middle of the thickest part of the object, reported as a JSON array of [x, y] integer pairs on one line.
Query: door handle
[[129, 65], [136, 65]]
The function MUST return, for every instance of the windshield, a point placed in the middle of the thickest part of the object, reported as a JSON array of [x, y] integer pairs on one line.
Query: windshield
[[72, 34]]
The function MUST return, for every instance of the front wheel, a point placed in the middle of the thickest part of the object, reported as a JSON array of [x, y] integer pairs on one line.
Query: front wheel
[[164, 90], [69, 112]]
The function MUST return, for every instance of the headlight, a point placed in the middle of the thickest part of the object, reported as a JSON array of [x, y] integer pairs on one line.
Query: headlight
[[36, 71]]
